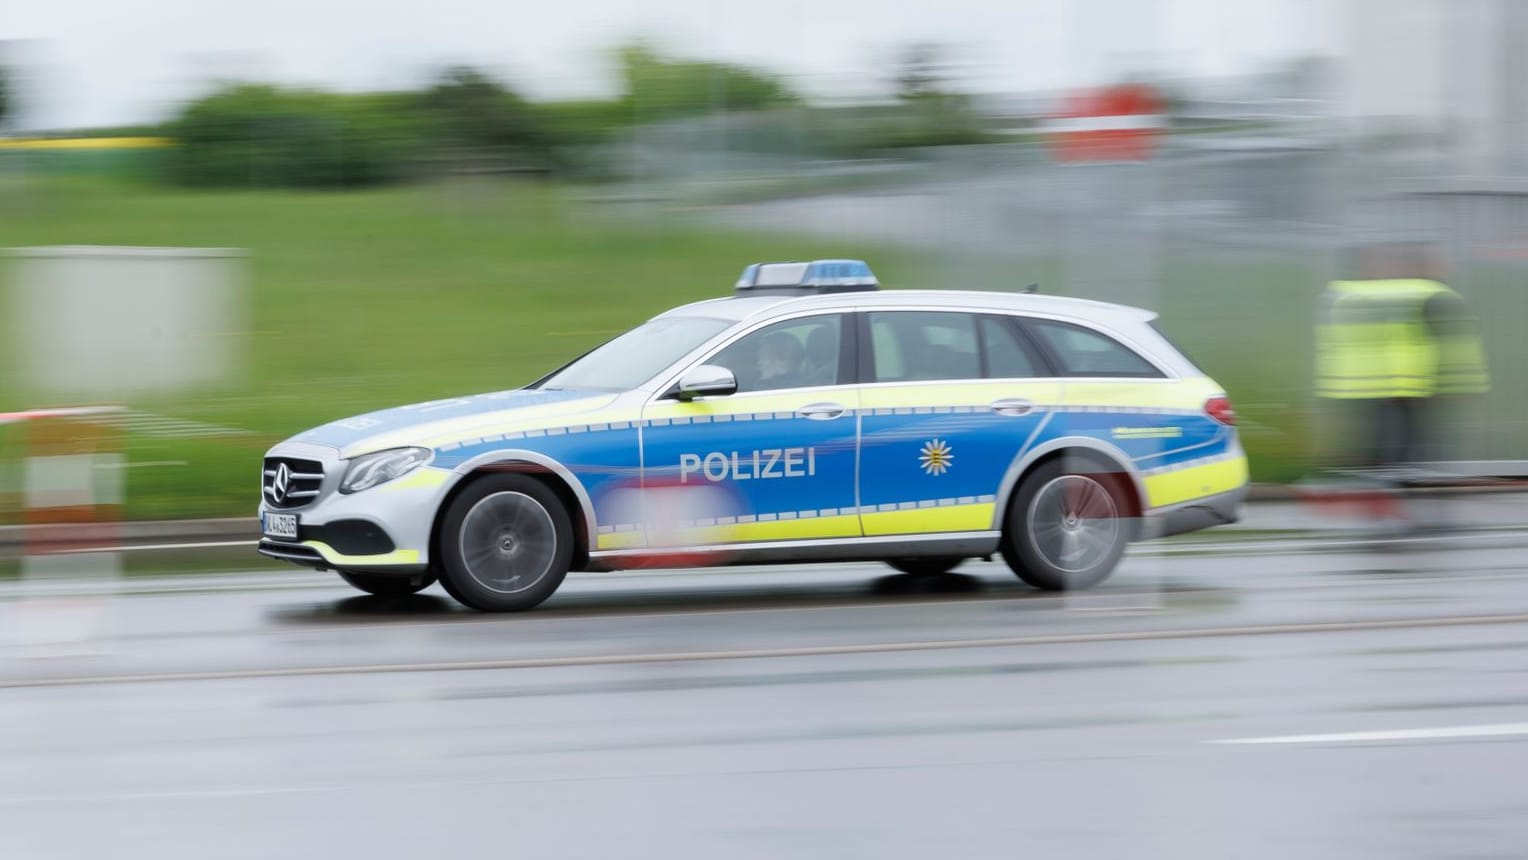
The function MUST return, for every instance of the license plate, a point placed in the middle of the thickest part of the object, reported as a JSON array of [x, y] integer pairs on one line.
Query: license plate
[[279, 525]]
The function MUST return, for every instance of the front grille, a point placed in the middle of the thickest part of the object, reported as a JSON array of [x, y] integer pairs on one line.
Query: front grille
[[291, 483]]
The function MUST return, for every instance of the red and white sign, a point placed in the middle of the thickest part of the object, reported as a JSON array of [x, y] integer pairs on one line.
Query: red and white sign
[[1115, 123]]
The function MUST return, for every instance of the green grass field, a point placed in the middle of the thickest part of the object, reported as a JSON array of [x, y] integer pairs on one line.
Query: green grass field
[[369, 299]]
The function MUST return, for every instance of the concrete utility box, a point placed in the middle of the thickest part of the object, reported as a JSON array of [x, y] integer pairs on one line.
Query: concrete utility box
[[102, 323]]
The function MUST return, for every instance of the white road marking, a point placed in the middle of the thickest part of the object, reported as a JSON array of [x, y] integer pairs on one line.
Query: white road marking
[[1500, 730], [167, 546]]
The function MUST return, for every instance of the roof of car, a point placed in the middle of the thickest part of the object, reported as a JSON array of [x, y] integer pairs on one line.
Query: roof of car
[[748, 308]]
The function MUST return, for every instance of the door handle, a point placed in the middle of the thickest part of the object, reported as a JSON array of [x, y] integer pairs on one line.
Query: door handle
[[821, 411], [1013, 406]]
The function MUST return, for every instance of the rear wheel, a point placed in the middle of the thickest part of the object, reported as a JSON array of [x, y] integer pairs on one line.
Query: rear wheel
[[389, 584], [926, 566], [1066, 529], [505, 544]]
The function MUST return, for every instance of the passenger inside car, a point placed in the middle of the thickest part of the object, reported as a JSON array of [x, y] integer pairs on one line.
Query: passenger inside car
[[821, 365], [780, 361]]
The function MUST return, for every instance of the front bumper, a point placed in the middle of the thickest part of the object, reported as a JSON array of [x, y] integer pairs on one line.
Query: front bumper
[[386, 528]]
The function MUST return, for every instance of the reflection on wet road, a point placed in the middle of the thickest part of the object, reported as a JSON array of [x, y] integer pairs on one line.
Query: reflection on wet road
[[1298, 700]]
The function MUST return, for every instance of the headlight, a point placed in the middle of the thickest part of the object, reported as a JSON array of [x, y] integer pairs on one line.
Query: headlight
[[383, 466]]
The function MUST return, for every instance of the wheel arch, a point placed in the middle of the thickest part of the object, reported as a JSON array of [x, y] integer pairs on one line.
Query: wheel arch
[[1108, 457], [557, 478]]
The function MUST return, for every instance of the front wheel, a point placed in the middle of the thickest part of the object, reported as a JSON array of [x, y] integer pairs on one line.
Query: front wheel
[[1065, 530], [505, 544], [388, 584]]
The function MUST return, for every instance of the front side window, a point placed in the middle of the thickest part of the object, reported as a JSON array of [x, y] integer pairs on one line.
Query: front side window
[[798, 353], [1084, 352], [637, 356]]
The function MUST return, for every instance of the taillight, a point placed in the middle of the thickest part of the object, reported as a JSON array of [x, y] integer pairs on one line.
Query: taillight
[[1219, 408]]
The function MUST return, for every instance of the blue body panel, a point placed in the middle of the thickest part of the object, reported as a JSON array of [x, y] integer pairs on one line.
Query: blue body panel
[[913, 458], [782, 464], [1184, 437]]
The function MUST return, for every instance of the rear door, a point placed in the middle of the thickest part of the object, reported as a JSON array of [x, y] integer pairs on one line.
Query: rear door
[[950, 400]]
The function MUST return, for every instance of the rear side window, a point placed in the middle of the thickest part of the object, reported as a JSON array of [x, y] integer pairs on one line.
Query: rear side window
[[919, 345], [1084, 352], [1004, 353]]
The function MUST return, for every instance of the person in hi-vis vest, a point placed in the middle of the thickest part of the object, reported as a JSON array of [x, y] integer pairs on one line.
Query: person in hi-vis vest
[[1395, 348]]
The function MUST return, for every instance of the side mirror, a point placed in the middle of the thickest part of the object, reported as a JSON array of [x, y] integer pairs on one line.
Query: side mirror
[[707, 380]]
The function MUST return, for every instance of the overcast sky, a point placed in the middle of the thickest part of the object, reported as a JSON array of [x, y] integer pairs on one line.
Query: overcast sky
[[100, 62]]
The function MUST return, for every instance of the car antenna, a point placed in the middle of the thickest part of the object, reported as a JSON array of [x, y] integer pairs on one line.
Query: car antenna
[[1032, 288]]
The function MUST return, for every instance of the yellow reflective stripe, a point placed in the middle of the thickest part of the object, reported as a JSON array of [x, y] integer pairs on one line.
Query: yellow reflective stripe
[[947, 394], [842, 526], [1189, 393], [619, 540], [1194, 482], [1399, 287], [36, 143], [334, 556], [517, 422], [429, 476], [765, 403], [955, 518]]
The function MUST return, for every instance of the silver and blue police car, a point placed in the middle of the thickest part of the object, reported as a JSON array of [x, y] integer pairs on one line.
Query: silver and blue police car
[[807, 417]]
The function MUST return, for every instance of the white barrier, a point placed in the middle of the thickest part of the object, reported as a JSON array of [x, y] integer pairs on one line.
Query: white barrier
[[70, 494]]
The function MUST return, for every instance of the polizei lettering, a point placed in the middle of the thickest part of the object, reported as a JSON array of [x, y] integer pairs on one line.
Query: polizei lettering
[[749, 465]]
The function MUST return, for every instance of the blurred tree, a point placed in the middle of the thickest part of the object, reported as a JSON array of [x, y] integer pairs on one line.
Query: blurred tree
[[6, 105], [932, 111], [264, 136], [921, 73], [479, 123], [658, 88]]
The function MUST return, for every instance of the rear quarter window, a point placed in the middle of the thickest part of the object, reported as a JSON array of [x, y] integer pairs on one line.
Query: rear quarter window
[[1081, 351], [1156, 326]]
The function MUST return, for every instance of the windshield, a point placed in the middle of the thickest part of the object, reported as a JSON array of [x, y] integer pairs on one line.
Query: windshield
[[635, 357]]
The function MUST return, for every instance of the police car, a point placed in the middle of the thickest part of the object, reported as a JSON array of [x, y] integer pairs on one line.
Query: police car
[[807, 417]]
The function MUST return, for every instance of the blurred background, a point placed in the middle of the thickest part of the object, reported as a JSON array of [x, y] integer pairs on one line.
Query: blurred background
[[225, 221], [404, 209]]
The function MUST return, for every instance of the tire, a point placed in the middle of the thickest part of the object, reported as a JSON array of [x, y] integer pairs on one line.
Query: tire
[[926, 566], [505, 544], [1066, 529], [388, 584]]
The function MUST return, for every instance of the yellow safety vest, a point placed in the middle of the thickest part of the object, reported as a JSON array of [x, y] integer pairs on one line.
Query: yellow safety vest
[[1374, 341]]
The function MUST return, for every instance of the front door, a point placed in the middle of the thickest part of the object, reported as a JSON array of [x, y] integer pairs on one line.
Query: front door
[[773, 462]]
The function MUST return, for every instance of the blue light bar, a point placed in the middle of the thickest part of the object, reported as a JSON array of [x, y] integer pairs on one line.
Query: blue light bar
[[818, 276]]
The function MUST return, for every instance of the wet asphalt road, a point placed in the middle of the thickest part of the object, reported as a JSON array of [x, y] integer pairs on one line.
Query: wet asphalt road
[[1251, 700]]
